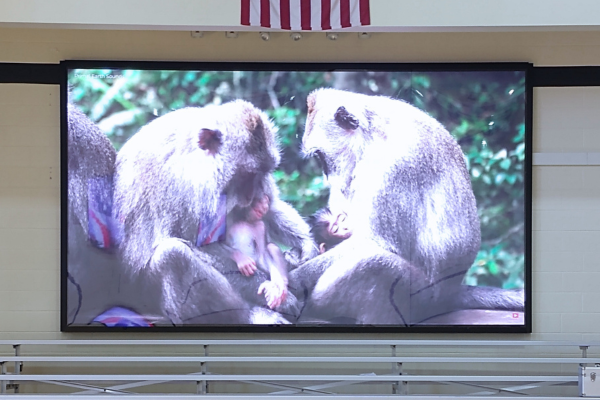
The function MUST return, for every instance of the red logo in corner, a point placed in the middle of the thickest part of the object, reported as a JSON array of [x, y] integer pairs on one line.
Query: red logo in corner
[[515, 315]]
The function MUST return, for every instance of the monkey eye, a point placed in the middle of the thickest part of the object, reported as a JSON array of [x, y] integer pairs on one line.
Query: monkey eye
[[334, 228]]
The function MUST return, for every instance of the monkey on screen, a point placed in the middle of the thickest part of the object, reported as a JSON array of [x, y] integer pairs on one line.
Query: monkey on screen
[[172, 174], [328, 229], [251, 250], [403, 182]]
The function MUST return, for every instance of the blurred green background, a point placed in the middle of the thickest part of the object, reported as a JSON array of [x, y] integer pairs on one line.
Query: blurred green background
[[483, 110]]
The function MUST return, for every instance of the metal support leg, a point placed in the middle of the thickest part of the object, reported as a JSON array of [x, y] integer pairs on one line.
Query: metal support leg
[[584, 350], [202, 386], [18, 367], [395, 385], [3, 383], [400, 387], [403, 389]]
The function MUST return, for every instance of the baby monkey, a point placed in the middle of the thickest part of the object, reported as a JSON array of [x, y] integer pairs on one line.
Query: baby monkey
[[247, 237], [328, 229]]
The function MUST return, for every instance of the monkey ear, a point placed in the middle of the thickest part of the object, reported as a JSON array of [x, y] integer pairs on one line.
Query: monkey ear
[[255, 124], [322, 248], [210, 140], [345, 120]]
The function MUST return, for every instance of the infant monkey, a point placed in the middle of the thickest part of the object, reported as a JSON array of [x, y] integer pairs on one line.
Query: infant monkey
[[329, 230], [250, 250]]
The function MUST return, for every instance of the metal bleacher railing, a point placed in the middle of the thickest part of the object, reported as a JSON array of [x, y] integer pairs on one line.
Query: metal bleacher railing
[[337, 368]]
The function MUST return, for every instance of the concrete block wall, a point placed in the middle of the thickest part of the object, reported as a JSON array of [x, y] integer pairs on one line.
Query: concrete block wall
[[29, 209], [566, 215]]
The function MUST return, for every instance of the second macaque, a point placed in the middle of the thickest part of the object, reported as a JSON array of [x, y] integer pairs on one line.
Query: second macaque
[[251, 250], [328, 229]]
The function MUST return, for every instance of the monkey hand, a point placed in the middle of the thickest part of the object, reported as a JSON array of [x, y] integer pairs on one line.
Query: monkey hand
[[275, 293], [292, 257], [246, 265]]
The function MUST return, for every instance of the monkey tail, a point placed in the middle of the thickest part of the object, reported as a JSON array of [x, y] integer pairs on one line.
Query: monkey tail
[[491, 298]]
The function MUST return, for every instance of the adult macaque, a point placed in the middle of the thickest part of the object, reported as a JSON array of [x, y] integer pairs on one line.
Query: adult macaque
[[169, 177], [91, 264], [251, 250], [402, 180], [329, 230]]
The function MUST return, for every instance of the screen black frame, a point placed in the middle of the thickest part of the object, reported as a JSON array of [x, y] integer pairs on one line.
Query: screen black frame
[[528, 68]]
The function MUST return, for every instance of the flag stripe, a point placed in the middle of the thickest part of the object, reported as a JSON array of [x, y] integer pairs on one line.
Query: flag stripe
[[275, 15], [265, 13], [345, 13], [255, 12], [365, 13], [295, 15], [284, 9], [354, 13], [246, 12], [334, 14], [326, 15], [315, 15], [305, 15]]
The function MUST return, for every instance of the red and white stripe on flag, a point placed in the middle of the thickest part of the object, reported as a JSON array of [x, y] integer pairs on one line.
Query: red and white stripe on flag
[[306, 15]]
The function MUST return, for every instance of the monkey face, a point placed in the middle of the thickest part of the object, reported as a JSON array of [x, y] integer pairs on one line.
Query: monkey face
[[329, 229], [243, 189], [258, 209], [339, 228], [323, 161], [253, 153], [336, 133]]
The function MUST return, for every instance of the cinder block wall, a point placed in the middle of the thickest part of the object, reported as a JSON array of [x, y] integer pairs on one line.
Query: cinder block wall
[[566, 215]]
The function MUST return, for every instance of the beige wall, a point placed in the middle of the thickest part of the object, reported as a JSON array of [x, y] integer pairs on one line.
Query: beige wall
[[566, 207], [541, 48]]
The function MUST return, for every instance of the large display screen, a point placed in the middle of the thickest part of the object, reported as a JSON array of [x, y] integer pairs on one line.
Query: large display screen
[[296, 197]]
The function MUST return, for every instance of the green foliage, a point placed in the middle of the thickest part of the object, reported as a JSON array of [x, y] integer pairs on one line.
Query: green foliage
[[484, 111], [300, 181], [497, 267]]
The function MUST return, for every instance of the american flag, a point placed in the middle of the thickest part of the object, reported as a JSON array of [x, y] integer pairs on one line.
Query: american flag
[[306, 15]]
